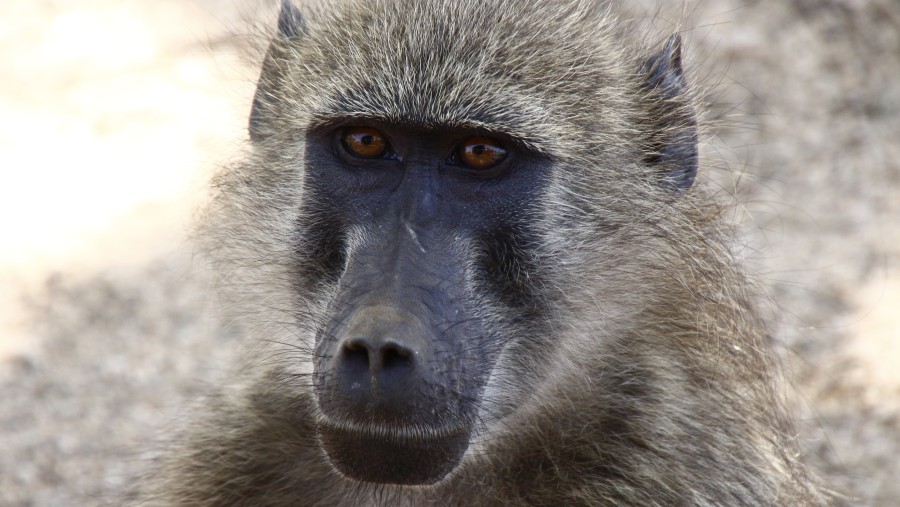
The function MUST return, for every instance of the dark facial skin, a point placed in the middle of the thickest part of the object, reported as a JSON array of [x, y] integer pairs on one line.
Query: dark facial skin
[[404, 359]]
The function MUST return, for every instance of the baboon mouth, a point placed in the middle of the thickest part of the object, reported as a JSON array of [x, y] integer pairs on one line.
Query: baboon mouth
[[386, 457]]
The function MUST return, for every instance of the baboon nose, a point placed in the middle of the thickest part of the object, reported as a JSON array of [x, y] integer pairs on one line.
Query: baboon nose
[[375, 362]]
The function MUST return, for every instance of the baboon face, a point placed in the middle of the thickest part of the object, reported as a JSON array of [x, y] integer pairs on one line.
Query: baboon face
[[431, 151], [431, 224]]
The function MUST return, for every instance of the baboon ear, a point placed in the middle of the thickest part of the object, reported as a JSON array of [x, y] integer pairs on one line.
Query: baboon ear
[[673, 146], [290, 25], [290, 20]]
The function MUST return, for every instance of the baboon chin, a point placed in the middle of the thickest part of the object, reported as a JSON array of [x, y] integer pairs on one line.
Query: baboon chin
[[472, 264]]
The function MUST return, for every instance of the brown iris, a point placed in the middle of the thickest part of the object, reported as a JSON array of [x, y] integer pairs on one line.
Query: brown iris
[[365, 142], [479, 152]]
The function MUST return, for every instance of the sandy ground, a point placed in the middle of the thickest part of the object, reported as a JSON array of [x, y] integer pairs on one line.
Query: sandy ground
[[112, 115]]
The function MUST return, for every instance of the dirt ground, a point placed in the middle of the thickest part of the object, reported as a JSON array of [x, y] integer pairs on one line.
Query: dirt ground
[[114, 113]]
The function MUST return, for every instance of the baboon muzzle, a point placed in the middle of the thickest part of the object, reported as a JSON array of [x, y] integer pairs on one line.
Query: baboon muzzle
[[395, 407], [382, 364]]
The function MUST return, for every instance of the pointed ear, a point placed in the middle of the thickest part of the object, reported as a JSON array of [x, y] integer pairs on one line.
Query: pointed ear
[[290, 25], [673, 143], [290, 20]]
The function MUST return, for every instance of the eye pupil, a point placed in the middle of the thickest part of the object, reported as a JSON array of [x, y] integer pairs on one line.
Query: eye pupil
[[480, 152], [365, 142]]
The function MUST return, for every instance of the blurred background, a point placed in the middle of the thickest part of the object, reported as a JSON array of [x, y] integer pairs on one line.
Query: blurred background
[[114, 114]]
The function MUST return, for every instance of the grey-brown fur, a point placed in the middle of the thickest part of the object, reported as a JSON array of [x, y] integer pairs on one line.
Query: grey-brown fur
[[659, 388]]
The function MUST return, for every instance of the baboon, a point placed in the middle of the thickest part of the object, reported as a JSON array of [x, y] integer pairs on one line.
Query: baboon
[[467, 249]]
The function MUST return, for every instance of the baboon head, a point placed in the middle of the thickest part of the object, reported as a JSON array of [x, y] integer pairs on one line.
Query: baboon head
[[433, 175]]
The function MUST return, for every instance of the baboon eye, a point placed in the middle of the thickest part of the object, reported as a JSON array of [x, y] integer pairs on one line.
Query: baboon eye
[[364, 142], [479, 152]]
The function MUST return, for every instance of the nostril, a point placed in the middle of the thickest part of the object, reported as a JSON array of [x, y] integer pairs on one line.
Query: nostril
[[362, 359], [395, 356], [379, 370], [355, 354]]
